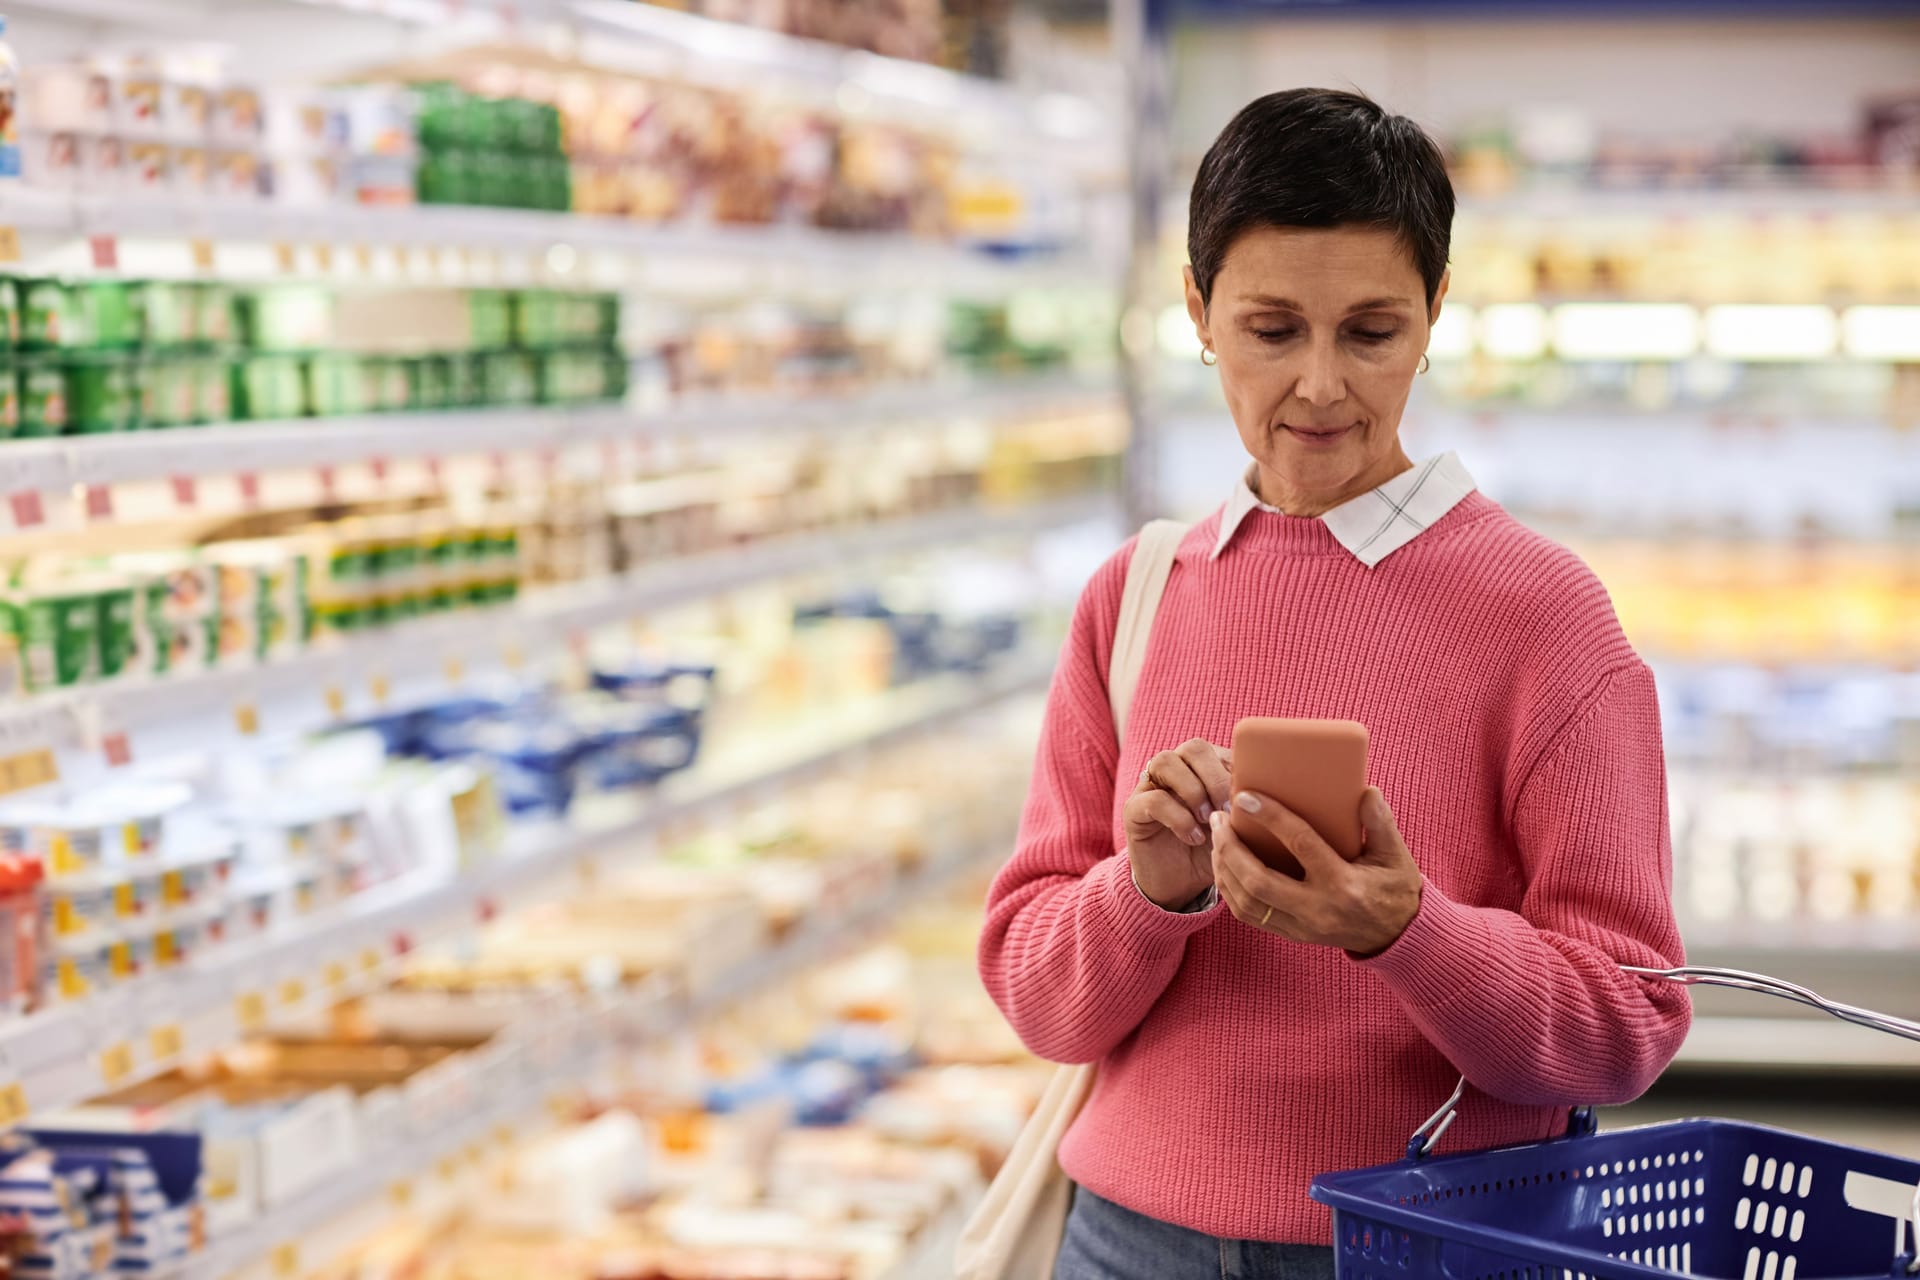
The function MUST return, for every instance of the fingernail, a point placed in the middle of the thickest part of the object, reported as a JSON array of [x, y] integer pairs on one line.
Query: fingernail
[[1196, 836], [1206, 812], [1216, 818], [1248, 801]]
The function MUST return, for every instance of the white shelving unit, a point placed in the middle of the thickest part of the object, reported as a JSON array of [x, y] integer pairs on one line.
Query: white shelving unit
[[511, 1081], [439, 1142], [59, 465], [411, 663], [66, 1055]]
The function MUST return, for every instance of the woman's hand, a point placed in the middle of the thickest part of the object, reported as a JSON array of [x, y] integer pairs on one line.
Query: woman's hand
[[1363, 905], [1167, 817]]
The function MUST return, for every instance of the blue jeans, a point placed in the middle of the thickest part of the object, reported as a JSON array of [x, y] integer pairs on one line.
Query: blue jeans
[[1107, 1242]]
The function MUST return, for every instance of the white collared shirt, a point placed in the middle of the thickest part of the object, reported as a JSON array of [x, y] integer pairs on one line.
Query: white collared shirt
[[1377, 523]]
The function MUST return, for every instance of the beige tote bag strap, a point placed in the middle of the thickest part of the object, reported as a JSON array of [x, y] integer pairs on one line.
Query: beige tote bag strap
[[1147, 575], [1014, 1233]]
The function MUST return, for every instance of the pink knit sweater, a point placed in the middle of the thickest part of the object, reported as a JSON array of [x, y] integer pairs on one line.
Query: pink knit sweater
[[1516, 737]]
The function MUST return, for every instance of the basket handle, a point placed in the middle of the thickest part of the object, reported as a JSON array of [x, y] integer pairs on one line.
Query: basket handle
[[1741, 980], [1582, 1122]]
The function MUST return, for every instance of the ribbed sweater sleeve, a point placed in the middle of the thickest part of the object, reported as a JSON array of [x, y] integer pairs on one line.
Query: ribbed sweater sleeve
[[1531, 1005], [1071, 951]]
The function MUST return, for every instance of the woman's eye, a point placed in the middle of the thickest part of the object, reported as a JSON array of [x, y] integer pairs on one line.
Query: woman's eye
[[1374, 335], [1273, 335]]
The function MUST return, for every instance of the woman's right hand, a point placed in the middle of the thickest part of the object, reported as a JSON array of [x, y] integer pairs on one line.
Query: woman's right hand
[[1167, 821]]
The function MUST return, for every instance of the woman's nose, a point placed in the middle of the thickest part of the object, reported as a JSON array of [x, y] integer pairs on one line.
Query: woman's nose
[[1321, 381]]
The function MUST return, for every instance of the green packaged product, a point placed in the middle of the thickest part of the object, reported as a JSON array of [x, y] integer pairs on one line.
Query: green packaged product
[[47, 317], [508, 378], [118, 631], [336, 384], [172, 393], [432, 382], [103, 391], [43, 397], [9, 313], [270, 386], [212, 389], [466, 382], [165, 313], [58, 634], [286, 318], [214, 321], [109, 315], [490, 319], [536, 318], [9, 402], [396, 384]]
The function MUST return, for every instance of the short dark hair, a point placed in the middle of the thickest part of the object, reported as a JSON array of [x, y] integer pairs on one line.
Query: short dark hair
[[1320, 158]]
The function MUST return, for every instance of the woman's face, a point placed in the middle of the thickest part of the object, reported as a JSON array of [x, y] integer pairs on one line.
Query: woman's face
[[1319, 333]]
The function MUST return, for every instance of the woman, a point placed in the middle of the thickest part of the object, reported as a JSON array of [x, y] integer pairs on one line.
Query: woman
[[1253, 1030]]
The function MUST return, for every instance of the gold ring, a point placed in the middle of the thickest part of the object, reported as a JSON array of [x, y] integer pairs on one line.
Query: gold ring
[[1266, 917]]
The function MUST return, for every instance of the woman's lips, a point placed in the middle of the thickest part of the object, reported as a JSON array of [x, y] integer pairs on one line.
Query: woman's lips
[[1320, 436]]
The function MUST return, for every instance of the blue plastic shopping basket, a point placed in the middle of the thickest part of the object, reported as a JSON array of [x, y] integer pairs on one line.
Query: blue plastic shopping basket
[[1707, 1198]]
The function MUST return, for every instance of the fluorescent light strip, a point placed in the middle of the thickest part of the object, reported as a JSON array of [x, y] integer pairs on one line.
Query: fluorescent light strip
[[1513, 330], [1625, 331], [1452, 337], [1174, 329], [1772, 332], [1882, 333]]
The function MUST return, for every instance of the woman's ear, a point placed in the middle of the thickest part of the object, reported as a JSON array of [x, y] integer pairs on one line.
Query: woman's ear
[[1197, 309], [1439, 296]]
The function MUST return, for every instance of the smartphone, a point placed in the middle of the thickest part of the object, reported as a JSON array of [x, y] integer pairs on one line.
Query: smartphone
[[1317, 768]]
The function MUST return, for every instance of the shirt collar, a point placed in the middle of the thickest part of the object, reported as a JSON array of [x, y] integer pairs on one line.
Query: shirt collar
[[1377, 523]]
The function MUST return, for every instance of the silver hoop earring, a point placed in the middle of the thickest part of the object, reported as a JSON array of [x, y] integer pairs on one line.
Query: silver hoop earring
[[1204, 353], [1425, 364]]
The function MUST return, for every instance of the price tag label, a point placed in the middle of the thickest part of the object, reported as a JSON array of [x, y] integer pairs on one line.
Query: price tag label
[[446, 1168], [31, 769], [167, 1040], [28, 510], [283, 258], [249, 483], [503, 1134], [456, 671], [363, 259], [335, 975], [379, 688], [370, 960], [202, 256], [13, 1104], [475, 1153], [378, 466], [292, 991], [246, 718], [185, 492], [106, 252], [250, 1011], [329, 484], [116, 1064], [99, 502], [403, 258], [286, 1260], [119, 750], [514, 656], [9, 244], [434, 475], [323, 257], [400, 1194], [336, 702]]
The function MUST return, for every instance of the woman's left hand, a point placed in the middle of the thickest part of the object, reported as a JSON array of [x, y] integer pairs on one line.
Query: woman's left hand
[[1363, 906]]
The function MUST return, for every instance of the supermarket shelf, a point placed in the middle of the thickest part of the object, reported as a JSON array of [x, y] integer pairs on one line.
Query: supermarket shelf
[[509, 1090], [1792, 1045], [1771, 200], [898, 259], [56, 466], [415, 662], [64, 1056]]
